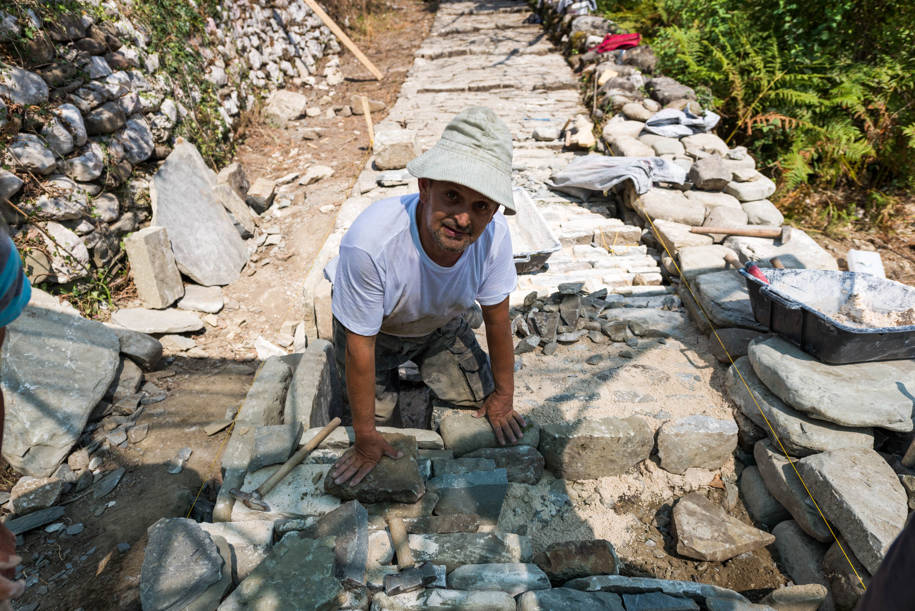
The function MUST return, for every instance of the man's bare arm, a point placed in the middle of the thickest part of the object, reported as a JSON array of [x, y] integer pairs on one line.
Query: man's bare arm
[[498, 407], [370, 446]]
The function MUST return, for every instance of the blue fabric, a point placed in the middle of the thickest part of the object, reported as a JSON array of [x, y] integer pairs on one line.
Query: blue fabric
[[15, 290]]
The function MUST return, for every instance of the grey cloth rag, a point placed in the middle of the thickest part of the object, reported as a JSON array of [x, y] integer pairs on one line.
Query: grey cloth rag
[[673, 123], [600, 173]]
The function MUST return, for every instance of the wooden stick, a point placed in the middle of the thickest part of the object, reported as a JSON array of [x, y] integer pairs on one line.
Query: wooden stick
[[344, 38], [368, 120], [401, 543], [753, 232]]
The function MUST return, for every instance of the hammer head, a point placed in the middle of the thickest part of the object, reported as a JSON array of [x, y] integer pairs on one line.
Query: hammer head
[[252, 500], [411, 579]]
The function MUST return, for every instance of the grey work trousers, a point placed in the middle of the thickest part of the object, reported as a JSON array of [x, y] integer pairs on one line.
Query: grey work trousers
[[450, 360]]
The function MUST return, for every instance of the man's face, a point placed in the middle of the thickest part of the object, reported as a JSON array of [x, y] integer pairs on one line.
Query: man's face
[[451, 217]]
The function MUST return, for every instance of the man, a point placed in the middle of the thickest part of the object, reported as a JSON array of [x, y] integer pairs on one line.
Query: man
[[14, 296], [409, 267]]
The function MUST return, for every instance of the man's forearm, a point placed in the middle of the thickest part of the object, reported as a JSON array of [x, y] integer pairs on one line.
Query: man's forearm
[[360, 381], [501, 348]]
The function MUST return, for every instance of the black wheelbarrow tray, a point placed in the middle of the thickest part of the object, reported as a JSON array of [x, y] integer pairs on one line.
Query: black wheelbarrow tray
[[799, 305]]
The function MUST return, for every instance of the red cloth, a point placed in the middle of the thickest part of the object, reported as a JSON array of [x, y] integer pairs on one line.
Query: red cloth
[[611, 42]]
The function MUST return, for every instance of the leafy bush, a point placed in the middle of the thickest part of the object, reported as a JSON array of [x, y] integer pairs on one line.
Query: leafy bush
[[821, 92]]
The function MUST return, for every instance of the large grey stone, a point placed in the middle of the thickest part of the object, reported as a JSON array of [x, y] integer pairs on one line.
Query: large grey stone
[[237, 208], [392, 479], [658, 601], [157, 321], [636, 585], [284, 105], [153, 268], [699, 145], [441, 599], [22, 86], [705, 531], [736, 342], [666, 90], [145, 350], [797, 251], [855, 395], [861, 496], [845, 575], [669, 205], [315, 391], [760, 503], [105, 119], [33, 493], [523, 464], [464, 433], [233, 175], [456, 549], [249, 541], [711, 199], [298, 574], [28, 152], [343, 437], [696, 441], [511, 577], [758, 188], [207, 247], [260, 195], [273, 445], [9, 184], [202, 299], [800, 434], [393, 148], [724, 216], [802, 556], [567, 560], [127, 381], [762, 212], [69, 255], [674, 236], [137, 141], [55, 368], [652, 322], [57, 137], [589, 449], [180, 563], [72, 119], [567, 599], [697, 260], [87, 166], [724, 297], [710, 174], [301, 492], [797, 598], [263, 405]]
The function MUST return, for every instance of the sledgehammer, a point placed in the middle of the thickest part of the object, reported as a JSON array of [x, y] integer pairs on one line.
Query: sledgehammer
[[255, 500]]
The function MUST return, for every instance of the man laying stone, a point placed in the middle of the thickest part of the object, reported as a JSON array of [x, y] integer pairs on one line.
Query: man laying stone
[[409, 268]]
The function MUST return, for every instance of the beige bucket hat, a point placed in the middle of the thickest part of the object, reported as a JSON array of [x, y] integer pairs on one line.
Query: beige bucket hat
[[475, 151]]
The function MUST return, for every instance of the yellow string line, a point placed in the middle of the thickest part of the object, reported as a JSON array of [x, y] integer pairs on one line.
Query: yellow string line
[[752, 395]]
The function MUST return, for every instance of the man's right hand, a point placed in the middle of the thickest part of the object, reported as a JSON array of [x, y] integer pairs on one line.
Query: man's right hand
[[360, 459], [8, 562]]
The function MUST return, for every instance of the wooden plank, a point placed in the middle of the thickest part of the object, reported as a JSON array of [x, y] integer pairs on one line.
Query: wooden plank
[[368, 120], [344, 38]]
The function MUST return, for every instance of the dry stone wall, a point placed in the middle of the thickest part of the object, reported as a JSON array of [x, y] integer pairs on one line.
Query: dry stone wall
[[89, 105]]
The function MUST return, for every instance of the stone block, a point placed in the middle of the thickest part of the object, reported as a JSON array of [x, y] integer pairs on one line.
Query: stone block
[[696, 441], [710, 174], [233, 175], [343, 437], [284, 105], [798, 250], [436, 598], [249, 543], [628, 146], [733, 345], [711, 199], [463, 433], [480, 493], [658, 601], [523, 464], [513, 578], [861, 497], [33, 493], [457, 549], [845, 575], [637, 585], [760, 503], [394, 148], [762, 212], [392, 479], [725, 298], [702, 145], [797, 598], [273, 444], [202, 299], [651, 322], [315, 391], [153, 268], [674, 236], [724, 216], [589, 449], [800, 555], [705, 531], [697, 260], [567, 560], [750, 191], [669, 205], [461, 466], [260, 194], [300, 492], [157, 321], [265, 402], [567, 599]]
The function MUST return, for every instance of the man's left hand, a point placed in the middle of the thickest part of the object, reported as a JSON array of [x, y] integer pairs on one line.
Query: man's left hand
[[506, 422]]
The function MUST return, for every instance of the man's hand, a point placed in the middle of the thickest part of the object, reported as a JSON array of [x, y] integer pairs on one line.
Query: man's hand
[[506, 422], [8, 562], [360, 459]]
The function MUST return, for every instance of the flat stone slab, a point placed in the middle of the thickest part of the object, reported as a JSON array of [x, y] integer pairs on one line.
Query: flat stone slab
[[55, 368], [300, 492], [511, 577], [696, 441], [638, 585], [800, 434], [859, 394], [157, 321], [397, 480], [799, 251], [343, 437], [523, 464], [761, 504], [180, 563], [658, 601], [861, 496], [705, 531], [651, 322], [802, 556], [567, 560], [207, 247], [726, 300], [298, 574], [567, 599], [315, 390], [463, 433], [589, 449], [435, 598], [456, 549]]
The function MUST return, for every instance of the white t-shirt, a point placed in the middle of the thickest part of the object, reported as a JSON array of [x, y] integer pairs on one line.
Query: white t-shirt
[[385, 282]]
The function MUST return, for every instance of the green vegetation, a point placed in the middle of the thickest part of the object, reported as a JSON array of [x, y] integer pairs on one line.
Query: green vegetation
[[823, 93]]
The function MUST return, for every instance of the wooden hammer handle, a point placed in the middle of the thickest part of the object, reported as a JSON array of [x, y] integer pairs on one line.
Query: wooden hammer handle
[[298, 457], [751, 232], [401, 543]]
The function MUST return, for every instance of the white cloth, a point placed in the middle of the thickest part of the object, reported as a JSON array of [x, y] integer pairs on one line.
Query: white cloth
[[673, 123], [385, 282], [601, 173]]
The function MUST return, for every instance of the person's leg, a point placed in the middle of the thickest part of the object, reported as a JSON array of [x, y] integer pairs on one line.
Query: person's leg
[[455, 367], [390, 353]]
